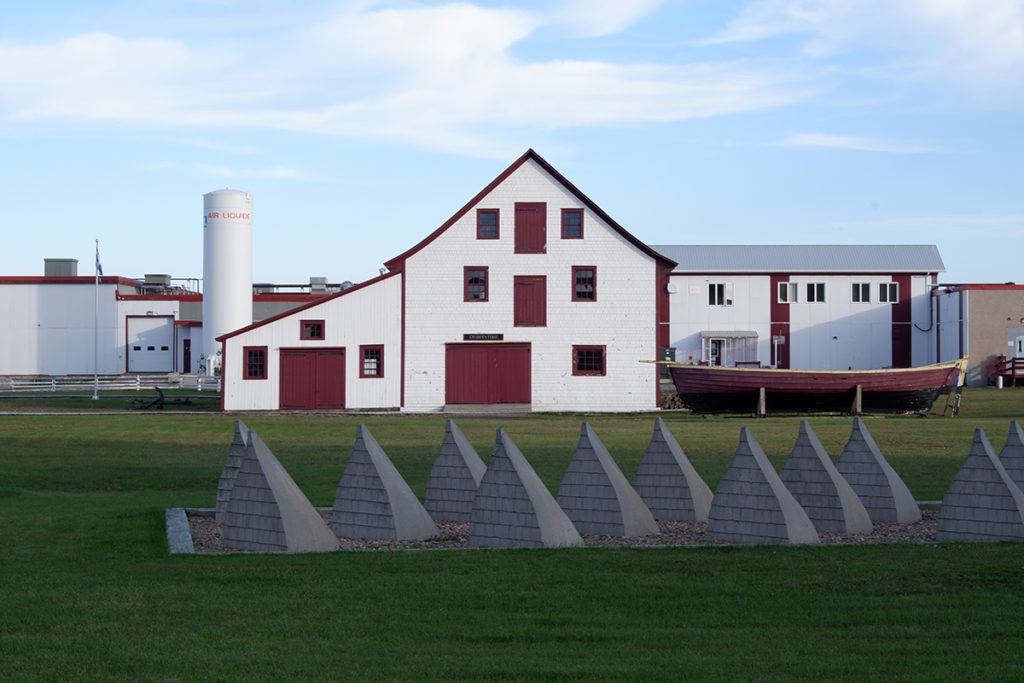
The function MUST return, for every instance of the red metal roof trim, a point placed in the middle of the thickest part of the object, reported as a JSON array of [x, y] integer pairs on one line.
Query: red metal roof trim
[[398, 263], [67, 280], [306, 307]]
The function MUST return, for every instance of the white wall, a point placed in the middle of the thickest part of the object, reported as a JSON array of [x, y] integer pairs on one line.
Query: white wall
[[623, 317], [836, 334], [367, 315], [48, 329]]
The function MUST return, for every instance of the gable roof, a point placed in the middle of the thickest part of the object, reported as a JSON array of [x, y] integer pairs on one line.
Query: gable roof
[[804, 258], [398, 262]]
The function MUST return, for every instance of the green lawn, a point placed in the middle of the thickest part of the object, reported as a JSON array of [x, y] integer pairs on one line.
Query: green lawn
[[89, 593]]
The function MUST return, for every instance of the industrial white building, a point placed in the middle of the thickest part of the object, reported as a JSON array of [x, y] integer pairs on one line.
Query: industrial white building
[[144, 325], [824, 307]]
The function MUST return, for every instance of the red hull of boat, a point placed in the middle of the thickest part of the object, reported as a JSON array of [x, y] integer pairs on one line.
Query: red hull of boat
[[714, 389]]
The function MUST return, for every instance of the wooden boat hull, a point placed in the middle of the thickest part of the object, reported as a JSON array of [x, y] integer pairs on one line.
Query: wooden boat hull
[[705, 389]]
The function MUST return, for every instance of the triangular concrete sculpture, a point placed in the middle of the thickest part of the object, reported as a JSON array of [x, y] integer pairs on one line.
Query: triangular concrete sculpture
[[596, 495], [1012, 455], [373, 501], [267, 511], [668, 482], [880, 489], [982, 503], [454, 478], [819, 488], [752, 505], [230, 470], [513, 507]]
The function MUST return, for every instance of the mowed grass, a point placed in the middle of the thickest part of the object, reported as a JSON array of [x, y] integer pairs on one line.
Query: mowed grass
[[89, 592]]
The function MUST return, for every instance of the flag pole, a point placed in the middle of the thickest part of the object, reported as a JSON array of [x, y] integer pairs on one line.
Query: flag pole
[[96, 327]]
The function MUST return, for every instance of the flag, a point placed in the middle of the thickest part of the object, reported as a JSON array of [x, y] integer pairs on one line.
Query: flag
[[99, 266]]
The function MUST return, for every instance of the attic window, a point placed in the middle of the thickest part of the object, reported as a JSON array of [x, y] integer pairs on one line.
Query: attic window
[[311, 329], [487, 224], [572, 224]]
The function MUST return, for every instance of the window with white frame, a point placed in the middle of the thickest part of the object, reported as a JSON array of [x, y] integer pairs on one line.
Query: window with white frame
[[889, 292], [861, 293], [787, 293], [719, 294], [815, 292]]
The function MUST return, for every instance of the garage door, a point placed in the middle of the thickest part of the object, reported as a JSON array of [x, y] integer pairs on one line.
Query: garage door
[[150, 343], [312, 379], [487, 373]]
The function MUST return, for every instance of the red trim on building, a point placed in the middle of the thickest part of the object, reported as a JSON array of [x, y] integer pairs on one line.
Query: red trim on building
[[779, 323], [67, 280], [662, 315], [902, 330]]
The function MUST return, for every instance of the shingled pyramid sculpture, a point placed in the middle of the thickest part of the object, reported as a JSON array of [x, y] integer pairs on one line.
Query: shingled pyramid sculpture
[[373, 501], [267, 511], [982, 503], [752, 505], [454, 478], [819, 488], [230, 469], [880, 489], [1012, 455], [596, 495], [667, 481], [513, 507]]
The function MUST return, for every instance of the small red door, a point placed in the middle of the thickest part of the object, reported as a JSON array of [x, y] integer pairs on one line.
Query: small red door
[[312, 379], [530, 301]]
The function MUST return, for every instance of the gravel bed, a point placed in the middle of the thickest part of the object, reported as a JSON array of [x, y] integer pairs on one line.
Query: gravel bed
[[207, 535]]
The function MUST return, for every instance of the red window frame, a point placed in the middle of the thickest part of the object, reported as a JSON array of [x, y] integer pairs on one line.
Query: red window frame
[[579, 294], [576, 226], [366, 350], [254, 367], [480, 224], [311, 329], [583, 360], [466, 283]]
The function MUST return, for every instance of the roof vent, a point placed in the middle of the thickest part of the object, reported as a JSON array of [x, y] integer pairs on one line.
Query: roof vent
[[318, 285]]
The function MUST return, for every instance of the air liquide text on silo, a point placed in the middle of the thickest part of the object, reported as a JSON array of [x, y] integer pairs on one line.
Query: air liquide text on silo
[[229, 214]]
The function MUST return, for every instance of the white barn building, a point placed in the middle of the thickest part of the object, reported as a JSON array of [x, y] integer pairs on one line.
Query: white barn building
[[816, 307], [529, 294]]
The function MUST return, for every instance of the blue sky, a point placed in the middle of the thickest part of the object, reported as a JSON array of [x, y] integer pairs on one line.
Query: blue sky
[[361, 126]]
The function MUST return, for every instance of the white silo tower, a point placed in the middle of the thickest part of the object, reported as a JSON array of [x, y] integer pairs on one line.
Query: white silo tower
[[227, 268]]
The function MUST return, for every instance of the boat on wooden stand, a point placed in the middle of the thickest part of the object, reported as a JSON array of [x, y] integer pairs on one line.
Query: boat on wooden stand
[[717, 389]]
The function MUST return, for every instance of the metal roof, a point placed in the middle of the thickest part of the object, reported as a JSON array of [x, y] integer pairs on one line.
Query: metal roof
[[803, 258]]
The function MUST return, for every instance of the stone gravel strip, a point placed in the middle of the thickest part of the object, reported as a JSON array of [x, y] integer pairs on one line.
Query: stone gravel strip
[[207, 535]]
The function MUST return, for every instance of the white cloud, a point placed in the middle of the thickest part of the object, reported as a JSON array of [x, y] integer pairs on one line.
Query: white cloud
[[850, 142], [441, 77], [977, 44], [593, 18]]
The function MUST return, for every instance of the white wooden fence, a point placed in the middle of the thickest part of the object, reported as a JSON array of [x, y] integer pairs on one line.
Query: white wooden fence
[[110, 383]]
